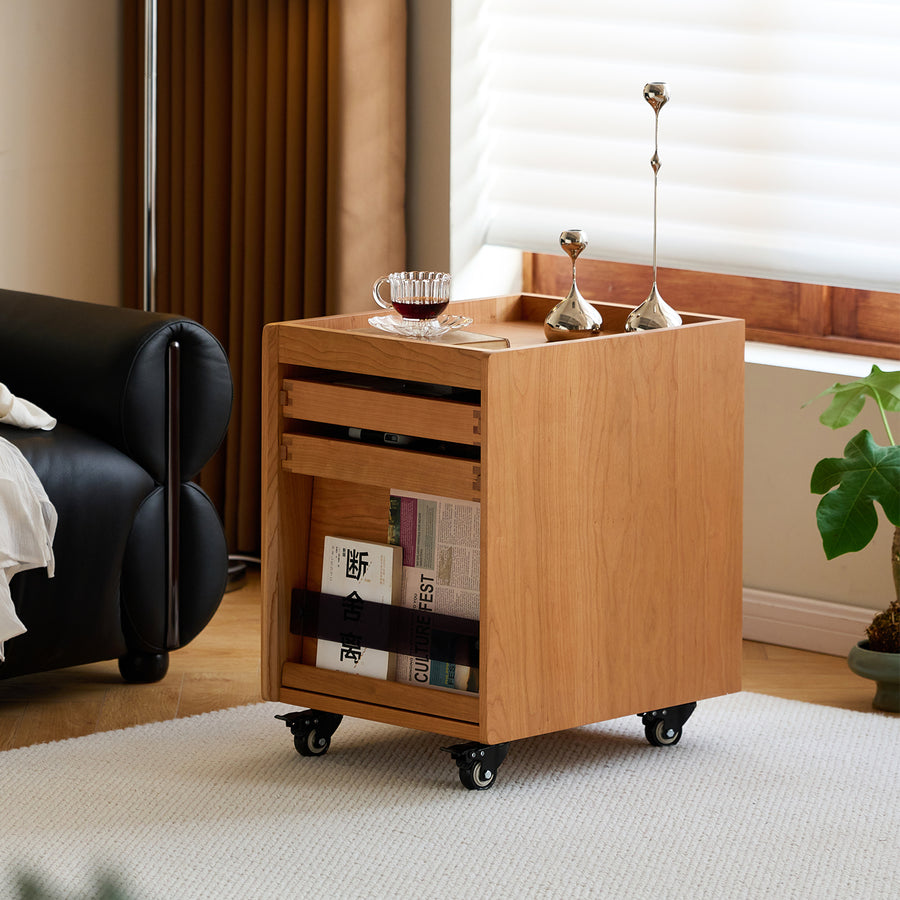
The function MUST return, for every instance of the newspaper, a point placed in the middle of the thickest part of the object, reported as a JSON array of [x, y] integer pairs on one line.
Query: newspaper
[[441, 541], [361, 573]]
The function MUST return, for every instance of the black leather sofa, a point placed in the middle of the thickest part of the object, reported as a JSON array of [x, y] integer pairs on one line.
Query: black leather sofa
[[142, 402]]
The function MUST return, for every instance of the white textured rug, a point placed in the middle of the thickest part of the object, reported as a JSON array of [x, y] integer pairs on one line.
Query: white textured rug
[[762, 798]]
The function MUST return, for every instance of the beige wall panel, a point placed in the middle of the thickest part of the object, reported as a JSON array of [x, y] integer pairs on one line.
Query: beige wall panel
[[60, 148]]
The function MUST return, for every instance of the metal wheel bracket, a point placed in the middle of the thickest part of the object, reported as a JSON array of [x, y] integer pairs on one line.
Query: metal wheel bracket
[[489, 755], [673, 717], [303, 721]]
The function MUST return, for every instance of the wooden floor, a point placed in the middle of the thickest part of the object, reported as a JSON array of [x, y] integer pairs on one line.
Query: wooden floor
[[220, 668]]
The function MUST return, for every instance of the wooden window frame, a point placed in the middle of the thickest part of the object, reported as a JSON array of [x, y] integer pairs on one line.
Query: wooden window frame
[[818, 317]]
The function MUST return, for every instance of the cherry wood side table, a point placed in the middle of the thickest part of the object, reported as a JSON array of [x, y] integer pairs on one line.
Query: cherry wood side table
[[609, 475]]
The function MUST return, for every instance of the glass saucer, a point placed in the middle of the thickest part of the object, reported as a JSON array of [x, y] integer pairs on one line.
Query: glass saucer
[[424, 328]]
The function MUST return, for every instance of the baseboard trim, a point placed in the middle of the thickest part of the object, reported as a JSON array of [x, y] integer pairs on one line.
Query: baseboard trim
[[802, 622]]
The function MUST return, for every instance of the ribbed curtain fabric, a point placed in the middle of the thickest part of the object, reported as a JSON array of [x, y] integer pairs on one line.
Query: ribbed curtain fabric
[[778, 146], [281, 152]]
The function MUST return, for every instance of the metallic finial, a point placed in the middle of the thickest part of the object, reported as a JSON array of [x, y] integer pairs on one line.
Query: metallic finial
[[574, 242], [654, 312], [573, 317], [656, 93]]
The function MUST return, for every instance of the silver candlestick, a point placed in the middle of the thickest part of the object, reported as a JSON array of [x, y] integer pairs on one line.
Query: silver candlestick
[[654, 312], [572, 317]]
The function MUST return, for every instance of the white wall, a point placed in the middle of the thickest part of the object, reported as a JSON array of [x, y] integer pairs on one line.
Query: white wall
[[782, 549], [60, 148]]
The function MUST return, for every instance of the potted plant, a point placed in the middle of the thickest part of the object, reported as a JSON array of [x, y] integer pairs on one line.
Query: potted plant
[[847, 519]]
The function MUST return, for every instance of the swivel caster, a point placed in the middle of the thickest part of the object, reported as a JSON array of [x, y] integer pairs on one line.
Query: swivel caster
[[312, 730], [478, 763], [663, 727]]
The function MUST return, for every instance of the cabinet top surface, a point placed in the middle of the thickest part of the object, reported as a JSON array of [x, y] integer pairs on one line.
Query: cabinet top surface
[[518, 320]]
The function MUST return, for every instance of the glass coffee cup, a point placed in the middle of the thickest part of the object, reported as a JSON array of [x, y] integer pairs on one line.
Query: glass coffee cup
[[417, 297]]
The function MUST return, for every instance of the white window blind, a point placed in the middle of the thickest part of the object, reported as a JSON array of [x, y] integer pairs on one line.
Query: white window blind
[[780, 146]]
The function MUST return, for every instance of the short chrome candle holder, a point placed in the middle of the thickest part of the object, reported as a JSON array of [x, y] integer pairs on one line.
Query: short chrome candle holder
[[654, 312], [572, 317]]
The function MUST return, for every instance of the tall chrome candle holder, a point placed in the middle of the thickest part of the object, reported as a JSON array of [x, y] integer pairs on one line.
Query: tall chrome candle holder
[[572, 317], [654, 312]]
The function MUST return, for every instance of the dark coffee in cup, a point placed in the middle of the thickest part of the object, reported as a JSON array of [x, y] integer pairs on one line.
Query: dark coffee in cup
[[419, 307]]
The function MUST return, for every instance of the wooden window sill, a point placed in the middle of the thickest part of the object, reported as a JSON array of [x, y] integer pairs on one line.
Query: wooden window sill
[[817, 317]]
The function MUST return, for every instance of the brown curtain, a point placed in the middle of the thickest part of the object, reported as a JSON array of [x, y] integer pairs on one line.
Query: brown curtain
[[281, 156]]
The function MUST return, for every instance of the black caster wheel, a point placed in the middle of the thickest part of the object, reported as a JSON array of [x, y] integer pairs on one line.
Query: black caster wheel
[[478, 763], [660, 736], [476, 777], [663, 727], [312, 730], [310, 743]]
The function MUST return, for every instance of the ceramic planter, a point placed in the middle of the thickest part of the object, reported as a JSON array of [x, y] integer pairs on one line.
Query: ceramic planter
[[883, 669]]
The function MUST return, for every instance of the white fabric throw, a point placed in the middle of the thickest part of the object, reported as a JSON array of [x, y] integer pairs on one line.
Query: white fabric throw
[[22, 413], [27, 529]]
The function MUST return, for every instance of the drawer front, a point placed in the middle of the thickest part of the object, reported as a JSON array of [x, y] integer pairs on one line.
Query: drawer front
[[394, 468], [440, 420], [377, 355]]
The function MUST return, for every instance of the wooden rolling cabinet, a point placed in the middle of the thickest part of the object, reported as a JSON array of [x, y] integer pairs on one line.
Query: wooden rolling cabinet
[[609, 474]]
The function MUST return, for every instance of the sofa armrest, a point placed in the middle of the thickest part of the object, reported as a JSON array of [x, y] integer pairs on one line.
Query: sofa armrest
[[103, 369]]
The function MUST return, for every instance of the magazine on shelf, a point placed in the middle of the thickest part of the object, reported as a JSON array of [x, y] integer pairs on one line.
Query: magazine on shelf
[[441, 542], [353, 573]]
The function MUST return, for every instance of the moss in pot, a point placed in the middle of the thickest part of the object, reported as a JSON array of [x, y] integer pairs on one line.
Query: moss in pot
[[868, 473]]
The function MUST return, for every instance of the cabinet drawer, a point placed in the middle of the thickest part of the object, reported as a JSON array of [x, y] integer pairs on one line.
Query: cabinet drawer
[[437, 419], [427, 473]]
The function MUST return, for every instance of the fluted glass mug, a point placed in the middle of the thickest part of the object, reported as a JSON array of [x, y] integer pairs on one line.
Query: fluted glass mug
[[418, 297]]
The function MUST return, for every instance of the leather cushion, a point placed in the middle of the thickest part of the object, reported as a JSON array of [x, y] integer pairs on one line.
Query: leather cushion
[[103, 370], [74, 617], [202, 570]]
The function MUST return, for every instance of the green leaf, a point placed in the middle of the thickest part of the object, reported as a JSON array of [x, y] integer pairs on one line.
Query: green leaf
[[848, 400], [866, 474]]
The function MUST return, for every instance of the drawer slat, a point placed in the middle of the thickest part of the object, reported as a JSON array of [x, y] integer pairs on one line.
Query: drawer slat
[[440, 420], [367, 464], [445, 704]]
